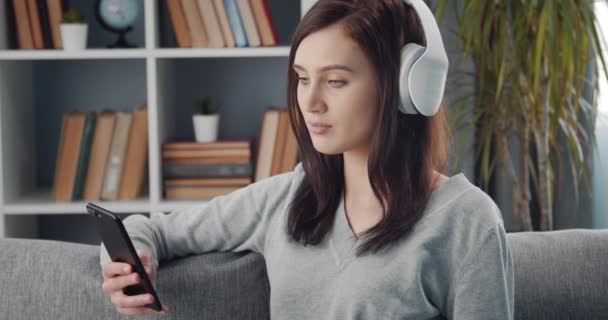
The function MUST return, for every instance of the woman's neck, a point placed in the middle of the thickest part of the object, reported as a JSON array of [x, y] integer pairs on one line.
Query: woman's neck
[[357, 188]]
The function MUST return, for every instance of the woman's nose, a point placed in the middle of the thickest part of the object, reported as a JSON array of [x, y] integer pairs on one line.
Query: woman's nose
[[313, 101]]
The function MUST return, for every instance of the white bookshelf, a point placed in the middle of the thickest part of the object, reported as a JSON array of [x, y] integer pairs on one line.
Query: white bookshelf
[[38, 86], [120, 54]]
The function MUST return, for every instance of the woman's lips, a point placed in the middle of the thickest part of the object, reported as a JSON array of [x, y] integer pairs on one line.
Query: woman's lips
[[317, 128]]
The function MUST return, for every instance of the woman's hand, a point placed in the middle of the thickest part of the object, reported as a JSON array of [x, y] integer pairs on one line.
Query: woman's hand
[[118, 275]]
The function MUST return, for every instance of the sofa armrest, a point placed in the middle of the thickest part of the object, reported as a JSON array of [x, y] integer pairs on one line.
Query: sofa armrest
[[560, 274], [45, 279]]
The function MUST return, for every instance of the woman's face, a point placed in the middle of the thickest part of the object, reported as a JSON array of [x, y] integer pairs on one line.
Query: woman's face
[[336, 87]]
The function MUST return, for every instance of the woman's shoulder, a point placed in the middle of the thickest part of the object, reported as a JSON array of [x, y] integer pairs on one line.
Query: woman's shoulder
[[279, 183], [460, 203], [477, 204], [296, 174]]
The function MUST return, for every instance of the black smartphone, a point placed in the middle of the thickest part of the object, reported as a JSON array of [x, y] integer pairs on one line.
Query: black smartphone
[[120, 248]]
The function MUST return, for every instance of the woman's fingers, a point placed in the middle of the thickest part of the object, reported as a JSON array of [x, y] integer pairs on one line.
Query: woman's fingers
[[118, 275], [119, 282], [120, 300], [135, 305], [144, 256], [141, 311], [113, 269]]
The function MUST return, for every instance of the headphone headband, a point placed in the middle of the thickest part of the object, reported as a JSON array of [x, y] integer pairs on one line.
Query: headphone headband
[[434, 42]]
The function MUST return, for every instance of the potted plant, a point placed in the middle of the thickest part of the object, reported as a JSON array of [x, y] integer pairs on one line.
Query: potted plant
[[531, 60], [206, 120], [74, 30]]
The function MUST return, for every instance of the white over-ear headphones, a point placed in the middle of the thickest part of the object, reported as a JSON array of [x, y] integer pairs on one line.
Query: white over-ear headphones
[[423, 69]]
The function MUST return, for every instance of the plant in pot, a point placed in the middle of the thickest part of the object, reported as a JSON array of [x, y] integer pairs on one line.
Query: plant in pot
[[206, 120], [74, 30]]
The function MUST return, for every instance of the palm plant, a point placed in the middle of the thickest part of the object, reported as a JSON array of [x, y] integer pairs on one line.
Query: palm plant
[[531, 59]]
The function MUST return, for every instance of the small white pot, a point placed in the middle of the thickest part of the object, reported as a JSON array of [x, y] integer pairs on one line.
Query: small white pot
[[74, 36], [206, 127]]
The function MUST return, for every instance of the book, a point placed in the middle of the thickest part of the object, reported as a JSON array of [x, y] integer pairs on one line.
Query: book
[[198, 160], [264, 22], [236, 24], [279, 150], [85, 152], [45, 23], [67, 157], [100, 151], [266, 147], [253, 38], [134, 171], [116, 158], [195, 24], [290, 157], [209, 170], [35, 25], [220, 144], [211, 23], [8, 30], [56, 9], [197, 193], [170, 154], [207, 182], [22, 21], [180, 26], [220, 12]]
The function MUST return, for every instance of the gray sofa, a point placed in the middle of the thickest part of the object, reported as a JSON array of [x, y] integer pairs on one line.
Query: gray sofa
[[558, 275]]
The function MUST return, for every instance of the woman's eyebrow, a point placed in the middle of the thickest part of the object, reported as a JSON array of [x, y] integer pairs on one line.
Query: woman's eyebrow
[[327, 68]]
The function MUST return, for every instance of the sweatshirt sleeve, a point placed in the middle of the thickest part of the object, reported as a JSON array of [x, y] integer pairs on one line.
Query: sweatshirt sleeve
[[234, 222], [484, 286]]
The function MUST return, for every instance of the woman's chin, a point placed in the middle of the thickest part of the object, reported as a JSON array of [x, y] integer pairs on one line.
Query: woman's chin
[[327, 149]]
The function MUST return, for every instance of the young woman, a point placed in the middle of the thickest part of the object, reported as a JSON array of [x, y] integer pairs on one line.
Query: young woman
[[366, 226]]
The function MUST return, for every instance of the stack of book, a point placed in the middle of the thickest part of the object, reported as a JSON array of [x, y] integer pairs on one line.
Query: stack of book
[[197, 170], [36, 23], [222, 23], [193, 170], [102, 156]]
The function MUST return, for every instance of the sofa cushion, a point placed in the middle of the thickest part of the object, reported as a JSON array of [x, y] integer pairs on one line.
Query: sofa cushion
[[560, 274], [43, 279]]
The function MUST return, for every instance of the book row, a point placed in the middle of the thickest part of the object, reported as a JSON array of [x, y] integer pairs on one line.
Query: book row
[[222, 23], [37, 23], [102, 156]]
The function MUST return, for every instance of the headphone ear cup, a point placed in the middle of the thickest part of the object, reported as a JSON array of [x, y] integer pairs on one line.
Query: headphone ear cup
[[409, 54]]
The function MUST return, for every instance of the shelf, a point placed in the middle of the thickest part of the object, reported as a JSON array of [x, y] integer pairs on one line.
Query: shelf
[[41, 203], [282, 51], [89, 54], [96, 54]]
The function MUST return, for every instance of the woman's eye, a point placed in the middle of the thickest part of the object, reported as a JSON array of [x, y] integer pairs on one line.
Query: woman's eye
[[303, 80], [337, 83]]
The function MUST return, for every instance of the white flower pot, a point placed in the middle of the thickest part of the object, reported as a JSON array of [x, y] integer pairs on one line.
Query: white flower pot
[[206, 127], [74, 36]]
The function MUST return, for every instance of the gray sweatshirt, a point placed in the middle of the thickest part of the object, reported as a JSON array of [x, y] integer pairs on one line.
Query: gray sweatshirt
[[454, 264]]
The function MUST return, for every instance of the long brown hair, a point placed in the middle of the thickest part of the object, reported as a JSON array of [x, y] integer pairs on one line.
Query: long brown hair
[[405, 149]]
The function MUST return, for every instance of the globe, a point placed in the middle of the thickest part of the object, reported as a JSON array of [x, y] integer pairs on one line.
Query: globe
[[118, 14]]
